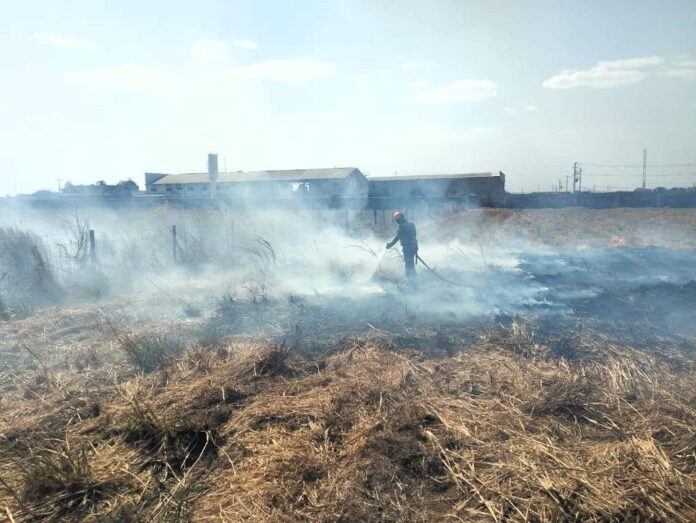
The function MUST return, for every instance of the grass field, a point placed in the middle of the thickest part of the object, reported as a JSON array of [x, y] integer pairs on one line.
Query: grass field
[[553, 381]]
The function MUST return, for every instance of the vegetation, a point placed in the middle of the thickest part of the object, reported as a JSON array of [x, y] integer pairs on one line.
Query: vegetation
[[262, 407], [150, 352], [26, 277], [510, 426]]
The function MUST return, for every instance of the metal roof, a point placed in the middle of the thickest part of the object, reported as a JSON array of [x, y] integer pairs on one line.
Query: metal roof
[[432, 177], [290, 175]]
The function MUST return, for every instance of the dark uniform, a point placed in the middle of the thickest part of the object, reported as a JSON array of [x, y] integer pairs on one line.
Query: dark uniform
[[409, 244]]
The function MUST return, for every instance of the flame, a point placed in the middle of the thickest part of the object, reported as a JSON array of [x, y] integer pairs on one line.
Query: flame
[[618, 241]]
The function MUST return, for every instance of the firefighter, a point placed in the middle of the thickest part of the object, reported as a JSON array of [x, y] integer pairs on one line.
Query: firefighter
[[406, 234]]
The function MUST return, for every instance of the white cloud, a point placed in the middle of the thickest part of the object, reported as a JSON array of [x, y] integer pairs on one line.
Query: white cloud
[[630, 63], [463, 91], [594, 78], [126, 77], [605, 74], [290, 71], [531, 108], [248, 45], [209, 50], [66, 42], [684, 69]]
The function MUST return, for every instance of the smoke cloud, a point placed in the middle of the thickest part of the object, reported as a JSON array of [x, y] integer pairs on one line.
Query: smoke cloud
[[336, 260]]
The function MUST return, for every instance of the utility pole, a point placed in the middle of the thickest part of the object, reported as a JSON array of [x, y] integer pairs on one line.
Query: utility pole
[[566, 184], [645, 166], [575, 175], [580, 179], [59, 180]]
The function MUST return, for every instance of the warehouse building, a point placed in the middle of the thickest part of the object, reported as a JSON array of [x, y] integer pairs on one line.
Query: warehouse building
[[332, 184], [486, 189], [333, 187]]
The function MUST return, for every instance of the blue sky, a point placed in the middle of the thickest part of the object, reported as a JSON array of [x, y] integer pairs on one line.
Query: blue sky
[[108, 90]]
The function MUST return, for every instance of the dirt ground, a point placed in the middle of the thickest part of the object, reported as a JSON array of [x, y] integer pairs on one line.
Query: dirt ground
[[189, 403]]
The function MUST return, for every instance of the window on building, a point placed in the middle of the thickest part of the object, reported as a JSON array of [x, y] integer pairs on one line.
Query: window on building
[[153, 189], [169, 189]]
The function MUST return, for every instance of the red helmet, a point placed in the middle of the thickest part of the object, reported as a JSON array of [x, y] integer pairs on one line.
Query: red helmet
[[397, 215]]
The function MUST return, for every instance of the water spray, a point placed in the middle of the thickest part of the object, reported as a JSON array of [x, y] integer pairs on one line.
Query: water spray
[[378, 263]]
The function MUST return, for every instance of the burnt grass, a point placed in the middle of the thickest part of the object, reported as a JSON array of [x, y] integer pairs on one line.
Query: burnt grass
[[327, 324]]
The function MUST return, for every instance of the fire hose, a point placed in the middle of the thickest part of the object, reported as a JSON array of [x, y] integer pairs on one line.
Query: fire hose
[[435, 272]]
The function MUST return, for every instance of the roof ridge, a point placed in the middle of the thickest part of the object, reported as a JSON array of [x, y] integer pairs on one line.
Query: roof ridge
[[287, 175]]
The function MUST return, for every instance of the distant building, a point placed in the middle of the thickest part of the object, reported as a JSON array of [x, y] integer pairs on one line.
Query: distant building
[[488, 189], [313, 184], [124, 189]]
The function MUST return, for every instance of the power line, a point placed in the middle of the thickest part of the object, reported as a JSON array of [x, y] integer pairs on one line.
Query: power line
[[622, 166], [671, 164], [635, 175], [637, 165]]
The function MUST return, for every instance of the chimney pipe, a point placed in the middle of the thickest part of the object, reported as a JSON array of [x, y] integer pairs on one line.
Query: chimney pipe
[[213, 167], [212, 174]]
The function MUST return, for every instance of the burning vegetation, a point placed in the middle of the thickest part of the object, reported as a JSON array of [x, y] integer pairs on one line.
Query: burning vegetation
[[543, 384]]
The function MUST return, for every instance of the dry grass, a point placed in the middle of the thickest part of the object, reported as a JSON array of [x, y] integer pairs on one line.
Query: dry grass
[[574, 227], [249, 431]]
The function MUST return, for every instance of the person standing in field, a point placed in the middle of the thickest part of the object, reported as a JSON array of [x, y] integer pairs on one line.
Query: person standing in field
[[406, 234]]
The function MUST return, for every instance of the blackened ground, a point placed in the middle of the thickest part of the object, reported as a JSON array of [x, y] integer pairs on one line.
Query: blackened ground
[[647, 293], [652, 286]]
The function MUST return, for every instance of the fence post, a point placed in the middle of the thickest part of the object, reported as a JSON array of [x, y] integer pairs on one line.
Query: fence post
[[92, 250], [174, 243]]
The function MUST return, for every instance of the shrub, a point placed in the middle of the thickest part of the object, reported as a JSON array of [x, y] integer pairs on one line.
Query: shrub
[[26, 277]]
